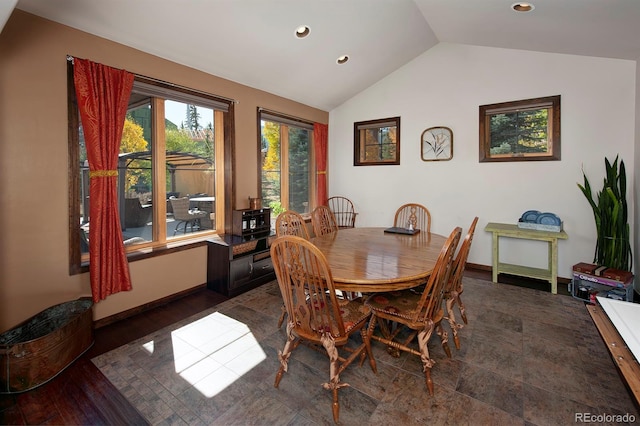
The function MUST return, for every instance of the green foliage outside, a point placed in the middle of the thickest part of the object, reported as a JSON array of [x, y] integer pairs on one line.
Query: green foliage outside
[[298, 155], [299, 169], [380, 143], [134, 139], [520, 132], [613, 247], [276, 208]]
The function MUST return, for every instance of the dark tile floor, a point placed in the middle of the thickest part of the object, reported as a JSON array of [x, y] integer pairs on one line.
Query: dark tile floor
[[527, 357]]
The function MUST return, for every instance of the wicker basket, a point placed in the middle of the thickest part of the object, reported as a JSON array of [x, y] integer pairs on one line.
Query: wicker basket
[[244, 247]]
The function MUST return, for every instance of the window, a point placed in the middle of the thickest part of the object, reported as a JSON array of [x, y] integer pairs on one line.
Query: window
[[287, 179], [173, 147], [520, 130], [376, 142]]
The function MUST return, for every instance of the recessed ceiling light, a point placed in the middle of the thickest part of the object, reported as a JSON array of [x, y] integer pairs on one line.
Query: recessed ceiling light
[[302, 31], [522, 7], [342, 59]]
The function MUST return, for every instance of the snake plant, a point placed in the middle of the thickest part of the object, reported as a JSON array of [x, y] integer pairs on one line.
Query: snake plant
[[613, 248]]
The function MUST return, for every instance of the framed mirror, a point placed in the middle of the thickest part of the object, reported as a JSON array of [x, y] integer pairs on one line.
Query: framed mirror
[[523, 130], [376, 142]]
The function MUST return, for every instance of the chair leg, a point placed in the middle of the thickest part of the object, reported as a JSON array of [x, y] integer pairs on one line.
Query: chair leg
[[178, 227], [423, 339], [334, 378], [461, 307], [285, 354], [444, 338], [450, 315], [282, 316], [335, 407], [367, 345]]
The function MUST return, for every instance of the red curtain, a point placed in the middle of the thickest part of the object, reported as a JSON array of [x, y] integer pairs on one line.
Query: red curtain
[[103, 94], [320, 141]]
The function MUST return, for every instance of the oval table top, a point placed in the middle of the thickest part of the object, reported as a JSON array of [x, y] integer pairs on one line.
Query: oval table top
[[370, 260]]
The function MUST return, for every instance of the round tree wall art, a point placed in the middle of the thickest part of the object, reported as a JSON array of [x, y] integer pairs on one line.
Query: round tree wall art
[[437, 144]]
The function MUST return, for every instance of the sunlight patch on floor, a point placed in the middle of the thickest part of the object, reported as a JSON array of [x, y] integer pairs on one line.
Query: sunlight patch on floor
[[213, 352]]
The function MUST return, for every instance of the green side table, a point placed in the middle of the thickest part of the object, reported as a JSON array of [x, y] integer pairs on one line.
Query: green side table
[[513, 231]]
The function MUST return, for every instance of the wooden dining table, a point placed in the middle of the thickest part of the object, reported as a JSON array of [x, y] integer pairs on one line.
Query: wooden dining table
[[370, 260]]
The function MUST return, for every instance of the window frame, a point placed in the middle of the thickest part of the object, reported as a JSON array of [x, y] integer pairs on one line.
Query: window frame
[[486, 112], [78, 263], [358, 144], [287, 121]]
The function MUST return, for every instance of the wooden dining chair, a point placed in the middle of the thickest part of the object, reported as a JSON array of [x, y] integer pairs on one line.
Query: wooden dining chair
[[291, 223], [415, 214], [316, 315], [323, 221], [421, 312], [455, 288], [343, 210]]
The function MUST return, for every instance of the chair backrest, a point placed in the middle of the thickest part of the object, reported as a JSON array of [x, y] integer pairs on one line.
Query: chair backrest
[[323, 221], [416, 214], [433, 293], [343, 210], [460, 261], [306, 284], [180, 208], [135, 215], [291, 223]]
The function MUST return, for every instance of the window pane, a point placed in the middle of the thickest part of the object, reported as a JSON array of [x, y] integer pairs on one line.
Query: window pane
[[84, 193], [285, 167], [299, 156], [135, 177], [189, 135], [521, 132], [270, 162]]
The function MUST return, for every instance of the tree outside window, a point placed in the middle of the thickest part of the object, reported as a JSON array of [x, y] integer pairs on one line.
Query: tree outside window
[[285, 163]]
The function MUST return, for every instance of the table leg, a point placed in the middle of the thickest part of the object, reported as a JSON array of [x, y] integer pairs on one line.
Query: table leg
[[553, 264], [495, 257]]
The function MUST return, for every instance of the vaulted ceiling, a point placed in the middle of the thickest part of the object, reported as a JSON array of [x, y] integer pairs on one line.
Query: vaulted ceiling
[[252, 42]]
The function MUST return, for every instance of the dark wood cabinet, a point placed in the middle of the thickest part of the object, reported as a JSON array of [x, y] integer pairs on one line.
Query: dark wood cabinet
[[238, 263], [249, 223]]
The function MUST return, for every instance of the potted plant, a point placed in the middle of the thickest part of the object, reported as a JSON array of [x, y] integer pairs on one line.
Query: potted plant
[[613, 247]]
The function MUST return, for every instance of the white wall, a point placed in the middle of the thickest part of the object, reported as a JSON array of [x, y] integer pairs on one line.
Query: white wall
[[445, 86]]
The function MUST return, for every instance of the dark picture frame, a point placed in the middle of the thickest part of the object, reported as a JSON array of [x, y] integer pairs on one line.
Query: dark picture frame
[[376, 142], [524, 130]]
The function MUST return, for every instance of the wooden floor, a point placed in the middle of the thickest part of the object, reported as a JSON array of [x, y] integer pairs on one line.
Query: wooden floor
[[81, 395]]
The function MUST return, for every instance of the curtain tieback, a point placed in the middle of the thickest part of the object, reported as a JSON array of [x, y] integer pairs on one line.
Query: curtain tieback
[[321, 172], [102, 173]]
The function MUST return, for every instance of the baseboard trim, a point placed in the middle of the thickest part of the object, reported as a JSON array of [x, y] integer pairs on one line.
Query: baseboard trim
[[488, 268], [478, 267], [147, 306]]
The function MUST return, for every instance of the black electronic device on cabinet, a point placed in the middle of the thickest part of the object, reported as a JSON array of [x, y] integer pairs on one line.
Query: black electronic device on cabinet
[[251, 223], [238, 263]]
